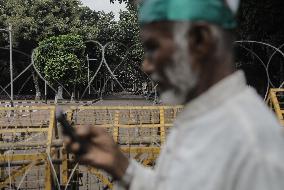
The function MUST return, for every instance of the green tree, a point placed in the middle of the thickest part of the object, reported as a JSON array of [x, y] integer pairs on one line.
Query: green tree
[[34, 21], [106, 27], [130, 3], [128, 33], [61, 60]]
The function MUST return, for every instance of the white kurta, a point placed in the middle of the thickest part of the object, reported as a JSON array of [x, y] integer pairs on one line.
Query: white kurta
[[226, 139]]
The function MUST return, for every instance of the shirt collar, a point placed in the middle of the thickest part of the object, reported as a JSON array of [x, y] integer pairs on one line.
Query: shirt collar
[[213, 97]]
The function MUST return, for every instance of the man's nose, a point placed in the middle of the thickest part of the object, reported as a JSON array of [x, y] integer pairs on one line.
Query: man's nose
[[148, 67]]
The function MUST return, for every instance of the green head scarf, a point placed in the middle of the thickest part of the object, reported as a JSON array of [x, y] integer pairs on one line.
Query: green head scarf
[[212, 11]]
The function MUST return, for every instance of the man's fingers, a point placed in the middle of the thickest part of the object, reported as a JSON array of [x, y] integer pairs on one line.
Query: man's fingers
[[88, 138], [83, 131], [89, 159], [98, 131], [67, 140], [75, 147], [71, 146], [89, 131]]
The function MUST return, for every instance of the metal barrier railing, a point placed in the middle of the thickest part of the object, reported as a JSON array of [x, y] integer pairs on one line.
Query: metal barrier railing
[[140, 132], [276, 103], [33, 155], [32, 152], [25, 144]]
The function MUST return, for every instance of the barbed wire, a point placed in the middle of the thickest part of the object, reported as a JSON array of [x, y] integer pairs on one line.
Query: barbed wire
[[266, 66], [103, 62]]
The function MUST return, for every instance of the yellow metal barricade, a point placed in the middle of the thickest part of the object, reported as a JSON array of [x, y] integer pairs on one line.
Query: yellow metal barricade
[[32, 152], [276, 103], [140, 132], [25, 143], [33, 156]]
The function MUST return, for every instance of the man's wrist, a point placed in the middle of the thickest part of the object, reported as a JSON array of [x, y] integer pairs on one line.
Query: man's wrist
[[126, 179], [120, 166]]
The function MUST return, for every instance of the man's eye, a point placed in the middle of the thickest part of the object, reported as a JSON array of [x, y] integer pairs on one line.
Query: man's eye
[[149, 54], [150, 49], [151, 46]]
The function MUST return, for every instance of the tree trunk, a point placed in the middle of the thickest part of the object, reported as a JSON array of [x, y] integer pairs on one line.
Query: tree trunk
[[36, 83]]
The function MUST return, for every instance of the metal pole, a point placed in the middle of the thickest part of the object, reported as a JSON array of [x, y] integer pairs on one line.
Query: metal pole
[[88, 59], [11, 63], [45, 92], [156, 97], [89, 74]]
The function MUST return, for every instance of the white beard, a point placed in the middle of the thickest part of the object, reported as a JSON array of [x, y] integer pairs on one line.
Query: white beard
[[183, 80], [180, 74]]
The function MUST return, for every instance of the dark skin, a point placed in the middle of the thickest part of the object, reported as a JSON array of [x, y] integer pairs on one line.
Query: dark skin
[[158, 39]]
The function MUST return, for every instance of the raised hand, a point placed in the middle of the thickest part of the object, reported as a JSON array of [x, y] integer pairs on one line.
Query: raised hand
[[100, 150]]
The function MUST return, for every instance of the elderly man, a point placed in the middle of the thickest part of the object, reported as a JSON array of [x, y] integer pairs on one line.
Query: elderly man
[[226, 138]]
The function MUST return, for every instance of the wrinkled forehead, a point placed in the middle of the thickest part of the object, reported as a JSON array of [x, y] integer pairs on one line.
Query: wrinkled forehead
[[157, 29], [165, 29], [162, 26]]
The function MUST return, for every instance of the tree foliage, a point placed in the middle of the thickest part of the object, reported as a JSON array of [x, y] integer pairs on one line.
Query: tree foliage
[[36, 21], [261, 20], [61, 59], [128, 2], [33, 21], [124, 54]]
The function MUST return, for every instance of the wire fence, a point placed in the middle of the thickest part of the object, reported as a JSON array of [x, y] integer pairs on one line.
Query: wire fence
[[33, 155], [104, 80]]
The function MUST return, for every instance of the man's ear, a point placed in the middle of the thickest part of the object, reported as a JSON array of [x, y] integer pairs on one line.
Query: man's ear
[[202, 41]]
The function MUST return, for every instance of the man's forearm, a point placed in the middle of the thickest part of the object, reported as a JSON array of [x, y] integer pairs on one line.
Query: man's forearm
[[137, 177]]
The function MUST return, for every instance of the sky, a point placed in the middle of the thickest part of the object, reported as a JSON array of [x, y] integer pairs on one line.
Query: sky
[[104, 5]]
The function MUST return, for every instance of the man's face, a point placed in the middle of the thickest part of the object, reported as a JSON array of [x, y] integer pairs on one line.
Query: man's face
[[167, 60]]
